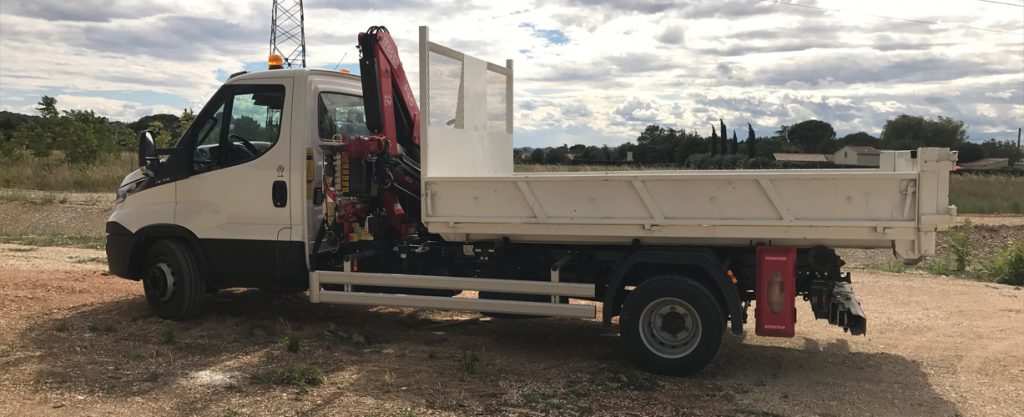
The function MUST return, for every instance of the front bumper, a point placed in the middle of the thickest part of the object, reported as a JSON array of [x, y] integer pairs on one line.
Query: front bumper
[[120, 242]]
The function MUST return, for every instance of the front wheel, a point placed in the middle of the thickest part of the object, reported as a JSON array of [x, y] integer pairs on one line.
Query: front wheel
[[672, 325], [174, 286]]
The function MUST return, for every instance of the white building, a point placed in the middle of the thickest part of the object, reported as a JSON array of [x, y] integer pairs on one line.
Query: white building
[[865, 156]]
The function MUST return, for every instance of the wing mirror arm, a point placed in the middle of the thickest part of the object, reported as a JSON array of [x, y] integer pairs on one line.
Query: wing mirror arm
[[147, 153]]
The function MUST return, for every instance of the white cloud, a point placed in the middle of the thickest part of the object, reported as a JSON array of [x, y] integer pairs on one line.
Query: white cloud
[[584, 68]]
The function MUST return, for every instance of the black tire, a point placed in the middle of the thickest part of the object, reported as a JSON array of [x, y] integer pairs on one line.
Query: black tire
[[180, 297], [681, 344]]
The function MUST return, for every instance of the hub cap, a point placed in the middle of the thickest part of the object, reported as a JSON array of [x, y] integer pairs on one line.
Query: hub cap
[[162, 280], [670, 327]]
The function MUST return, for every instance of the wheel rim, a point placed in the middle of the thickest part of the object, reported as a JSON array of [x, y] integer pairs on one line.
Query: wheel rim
[[670, 327], [161, 279]]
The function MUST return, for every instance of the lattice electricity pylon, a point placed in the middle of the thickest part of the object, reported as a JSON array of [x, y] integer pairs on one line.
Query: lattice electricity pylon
[[287, 33]]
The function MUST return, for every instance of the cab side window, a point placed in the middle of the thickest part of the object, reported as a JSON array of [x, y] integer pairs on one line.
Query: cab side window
[[242, 123]]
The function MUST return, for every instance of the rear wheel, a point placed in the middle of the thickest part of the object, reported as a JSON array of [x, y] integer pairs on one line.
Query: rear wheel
[[174, 287], [672, 325]]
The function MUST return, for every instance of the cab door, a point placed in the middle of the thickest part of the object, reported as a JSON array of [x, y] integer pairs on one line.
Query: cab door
[[235, 199]]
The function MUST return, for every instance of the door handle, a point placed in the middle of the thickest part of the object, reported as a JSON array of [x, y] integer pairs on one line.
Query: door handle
[[279, 193]]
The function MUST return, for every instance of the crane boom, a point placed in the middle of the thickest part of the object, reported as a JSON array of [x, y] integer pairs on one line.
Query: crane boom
[[391, 109]]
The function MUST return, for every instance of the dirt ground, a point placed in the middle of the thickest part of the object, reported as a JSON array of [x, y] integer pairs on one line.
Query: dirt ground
[[77, 342]]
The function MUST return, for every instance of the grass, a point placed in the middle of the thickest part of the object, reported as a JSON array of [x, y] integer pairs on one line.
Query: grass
[[75, 241], [292, 342], [52, 174], [889, 266], [168, 332], [25, 249], [987, 193], [298, 374], [37, 197], [92, 260], [469, 362]]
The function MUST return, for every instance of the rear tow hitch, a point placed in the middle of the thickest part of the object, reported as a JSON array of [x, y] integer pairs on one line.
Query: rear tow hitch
[[834, 301]]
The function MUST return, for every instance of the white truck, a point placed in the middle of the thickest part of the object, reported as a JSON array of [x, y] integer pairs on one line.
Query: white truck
[[346, 187]]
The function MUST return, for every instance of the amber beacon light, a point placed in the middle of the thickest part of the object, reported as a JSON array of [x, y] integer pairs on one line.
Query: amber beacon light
[[275, 61]]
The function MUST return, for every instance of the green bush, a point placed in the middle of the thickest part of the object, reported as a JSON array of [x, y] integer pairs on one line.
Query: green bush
[[1008, 266], [961, 246]]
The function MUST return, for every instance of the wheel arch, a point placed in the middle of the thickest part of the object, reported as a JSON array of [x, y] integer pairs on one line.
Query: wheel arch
[[148, 235], [700, 264]]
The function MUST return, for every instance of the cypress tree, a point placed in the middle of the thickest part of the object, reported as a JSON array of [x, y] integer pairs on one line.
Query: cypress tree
[[714, 141], [750, 141]]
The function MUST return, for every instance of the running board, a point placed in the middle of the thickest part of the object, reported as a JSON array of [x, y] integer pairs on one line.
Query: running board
[[349, 279]]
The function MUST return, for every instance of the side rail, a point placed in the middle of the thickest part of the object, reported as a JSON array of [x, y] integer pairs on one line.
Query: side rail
[[363, 288]]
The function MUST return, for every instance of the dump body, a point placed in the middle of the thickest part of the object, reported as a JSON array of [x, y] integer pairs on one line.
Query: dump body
[[902, 203], [470, 191]]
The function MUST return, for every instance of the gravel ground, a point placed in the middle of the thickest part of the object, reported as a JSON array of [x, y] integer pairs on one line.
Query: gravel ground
[[76, 342]]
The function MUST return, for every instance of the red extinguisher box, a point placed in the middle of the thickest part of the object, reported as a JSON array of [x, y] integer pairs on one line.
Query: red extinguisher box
[[775, 314]]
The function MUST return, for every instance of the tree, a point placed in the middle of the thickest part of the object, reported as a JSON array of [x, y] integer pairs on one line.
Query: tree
[[725, 137], [859, 139], [48, 107], [970, 152], [812, 136], [160, 135], [909, 132], [537, 156], [735, 146], [557, 156], [751, 139], [187, 116], [714, 141]]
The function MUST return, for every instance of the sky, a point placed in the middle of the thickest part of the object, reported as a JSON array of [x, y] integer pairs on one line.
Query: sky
[[586, 71]]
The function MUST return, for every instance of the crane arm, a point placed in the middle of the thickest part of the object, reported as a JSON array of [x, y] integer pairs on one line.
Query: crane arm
[[391, 109]]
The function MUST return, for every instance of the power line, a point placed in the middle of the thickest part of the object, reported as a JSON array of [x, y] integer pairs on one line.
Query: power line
[[1000, 2], [927, 22]]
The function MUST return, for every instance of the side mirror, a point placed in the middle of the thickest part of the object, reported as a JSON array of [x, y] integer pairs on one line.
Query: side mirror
[[147, 151]]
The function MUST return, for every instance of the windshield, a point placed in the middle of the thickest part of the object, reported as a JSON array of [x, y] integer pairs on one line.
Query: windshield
[[341, 114]]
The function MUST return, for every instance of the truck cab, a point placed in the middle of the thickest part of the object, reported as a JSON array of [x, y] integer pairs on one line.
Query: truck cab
[[233, 187]]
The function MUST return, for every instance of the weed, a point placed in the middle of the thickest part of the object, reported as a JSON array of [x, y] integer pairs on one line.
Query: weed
[[299, 375], [24, 249], [92, 328], [889, 266], [62, 327], [755, 413], [92, 260], [635, 380], [938, 266], [168, 331], [961, 246], [1008, 266], [469, 362], [292, 342], [231, 413]]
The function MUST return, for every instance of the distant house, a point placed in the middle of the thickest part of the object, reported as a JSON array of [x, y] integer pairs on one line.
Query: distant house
[[800, 157], [865, 156], [986, 164]]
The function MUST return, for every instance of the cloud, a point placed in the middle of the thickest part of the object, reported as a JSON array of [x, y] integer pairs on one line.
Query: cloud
[[83, 10], [585, 70], [672, 35]]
